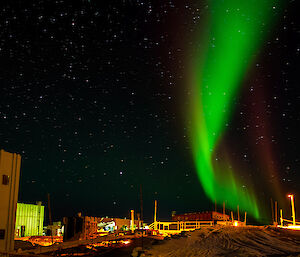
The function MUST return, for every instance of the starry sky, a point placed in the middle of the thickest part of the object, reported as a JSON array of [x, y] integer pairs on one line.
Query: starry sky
[[93, 96]]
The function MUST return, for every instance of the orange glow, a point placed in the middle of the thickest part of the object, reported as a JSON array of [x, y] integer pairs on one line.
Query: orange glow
[[236, 223], [41, 240], [290, 196], [108, 244]]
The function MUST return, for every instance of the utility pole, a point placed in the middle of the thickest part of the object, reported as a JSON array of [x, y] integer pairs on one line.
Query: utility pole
[[155, 213], [281, 219], [132, 221], [50, 217], [276, 220], [224, 211], [293, 209], [141, 202], [272, 209]]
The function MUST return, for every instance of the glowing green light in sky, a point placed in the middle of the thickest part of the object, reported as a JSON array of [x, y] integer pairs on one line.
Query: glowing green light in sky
[[236, 29]]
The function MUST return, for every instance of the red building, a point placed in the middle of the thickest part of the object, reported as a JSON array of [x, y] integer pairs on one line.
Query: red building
[[209, 216]]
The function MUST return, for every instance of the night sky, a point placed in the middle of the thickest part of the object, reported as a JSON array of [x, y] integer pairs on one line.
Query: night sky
[[93, 96]]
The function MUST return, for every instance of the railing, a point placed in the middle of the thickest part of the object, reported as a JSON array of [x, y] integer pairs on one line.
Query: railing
[[290, 221], [178, 226]]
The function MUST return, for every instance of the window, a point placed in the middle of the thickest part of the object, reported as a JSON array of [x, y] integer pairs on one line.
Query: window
[[173, 227], [5, 180], [2, 233]]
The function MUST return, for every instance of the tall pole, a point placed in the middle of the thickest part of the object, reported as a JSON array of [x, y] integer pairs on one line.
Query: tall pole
[[132, 221], [293, 209], [141, 202], [155, 213], [272, 210], [50, 217], [223, 211], [49, 210], [276, 220], [245, 218], [155, 210], [141, 198], [238, 211], [281, 219], [232, 217]]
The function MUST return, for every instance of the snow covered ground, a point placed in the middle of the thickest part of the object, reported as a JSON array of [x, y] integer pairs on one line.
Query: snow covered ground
[[231, 241]]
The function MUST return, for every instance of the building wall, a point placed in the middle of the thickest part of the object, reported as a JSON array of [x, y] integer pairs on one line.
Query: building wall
[[73, 228], [9, 188], [219, 216], [211, 215], [90, 226], [29, 220], [123, 222]]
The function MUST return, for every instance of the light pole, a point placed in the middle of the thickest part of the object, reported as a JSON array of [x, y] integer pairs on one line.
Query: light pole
[[293, 209], [132, 221]]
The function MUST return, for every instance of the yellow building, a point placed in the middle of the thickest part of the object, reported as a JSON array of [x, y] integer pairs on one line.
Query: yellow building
[[29, 219]]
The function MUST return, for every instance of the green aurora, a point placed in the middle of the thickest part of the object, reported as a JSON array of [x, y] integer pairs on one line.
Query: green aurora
[[235, 33]]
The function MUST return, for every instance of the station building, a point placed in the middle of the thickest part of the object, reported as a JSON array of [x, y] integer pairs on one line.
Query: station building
[[85, 227], [201, 216], [10, 164], [29, 219]]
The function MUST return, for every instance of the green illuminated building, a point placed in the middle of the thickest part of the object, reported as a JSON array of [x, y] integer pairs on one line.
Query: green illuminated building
[[29, 219]]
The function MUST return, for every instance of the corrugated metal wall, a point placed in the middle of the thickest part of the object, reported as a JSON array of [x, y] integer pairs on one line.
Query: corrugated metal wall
[[31, 217]]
